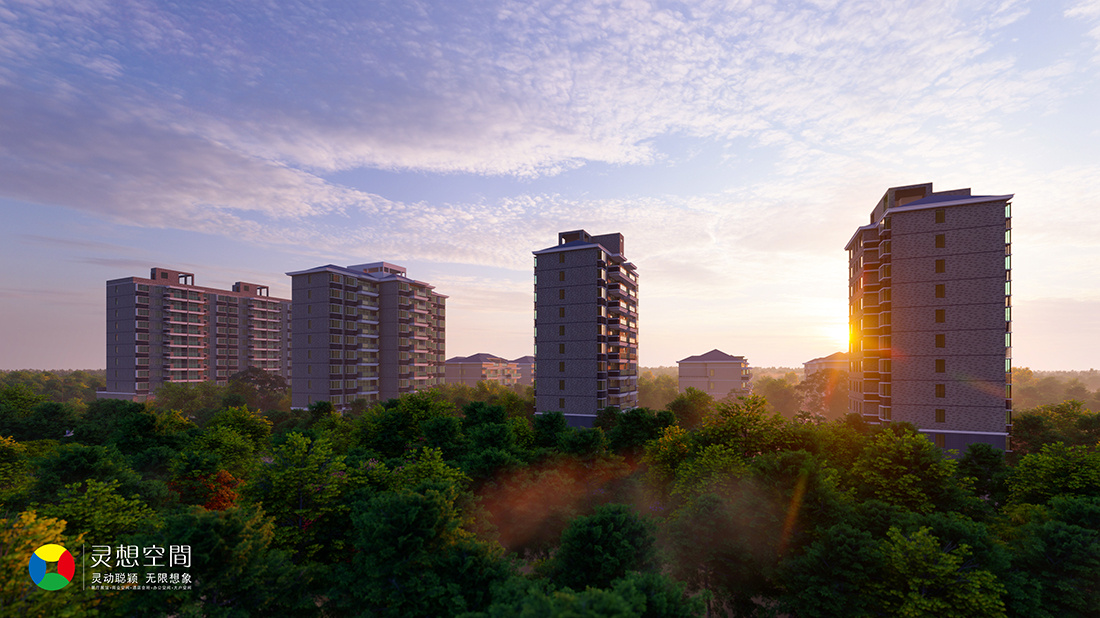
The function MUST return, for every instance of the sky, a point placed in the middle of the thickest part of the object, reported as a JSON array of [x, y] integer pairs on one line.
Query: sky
[[735, 145]]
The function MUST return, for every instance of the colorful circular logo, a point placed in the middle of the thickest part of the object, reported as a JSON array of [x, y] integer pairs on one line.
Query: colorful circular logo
[[65, 567]]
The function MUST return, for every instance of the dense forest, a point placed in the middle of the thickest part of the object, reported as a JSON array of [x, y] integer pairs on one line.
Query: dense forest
[[461, 502]]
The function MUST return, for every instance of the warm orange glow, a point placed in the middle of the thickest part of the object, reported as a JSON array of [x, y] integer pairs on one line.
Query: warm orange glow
[[792, 513]]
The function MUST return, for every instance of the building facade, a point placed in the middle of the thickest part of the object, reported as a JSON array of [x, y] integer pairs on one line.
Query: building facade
[[838, 361], [365, 332], [586, 327], [470, 370], [717, 374], [167, 329], [930, 315], [526, 367]]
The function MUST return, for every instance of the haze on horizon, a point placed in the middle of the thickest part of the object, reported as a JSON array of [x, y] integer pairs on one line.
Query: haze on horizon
[[736, 146]]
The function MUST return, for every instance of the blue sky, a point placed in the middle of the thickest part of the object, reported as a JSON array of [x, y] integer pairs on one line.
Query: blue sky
[[736, 145]]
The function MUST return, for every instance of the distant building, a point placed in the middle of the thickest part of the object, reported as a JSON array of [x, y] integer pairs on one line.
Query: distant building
[[470, 370], [838, 361], [586, 327], [717, 374], [526, 367], [364, 332], [167, 329], [930, 306]]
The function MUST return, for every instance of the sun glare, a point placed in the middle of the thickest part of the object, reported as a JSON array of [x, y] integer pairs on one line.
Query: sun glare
[[839, 335]]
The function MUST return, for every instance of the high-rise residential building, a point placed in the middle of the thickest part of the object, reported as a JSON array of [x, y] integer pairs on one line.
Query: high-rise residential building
[[167, 329], [586, 327], [930, 315], [366, 332], [470, 370], [717, 374]]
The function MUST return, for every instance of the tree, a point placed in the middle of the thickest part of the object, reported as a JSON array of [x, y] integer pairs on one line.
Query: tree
[[1069, 422], [603, 547], [413, 558], [986, 465], [1056, 470], [848, 573], [235, 570], [253, 426], [636, 427], [20, 536], [97, 511], [903, 468], [549, 426], [302, 489], [691, 407], [262, 390], [780, 394], [655, 393], [825, 392], [1060, 550], [637, 595], [20, 398]]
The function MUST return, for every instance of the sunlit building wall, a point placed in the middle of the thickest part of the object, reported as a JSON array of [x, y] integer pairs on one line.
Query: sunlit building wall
[[366, 332], [930, 315], [167, 329]]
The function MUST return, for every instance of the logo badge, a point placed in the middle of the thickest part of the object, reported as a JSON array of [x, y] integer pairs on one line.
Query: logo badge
[[65, 567]]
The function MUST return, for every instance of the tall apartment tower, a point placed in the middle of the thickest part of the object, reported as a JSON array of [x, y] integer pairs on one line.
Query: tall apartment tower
[[366, 332], [586, 327], [930, 315], [167, 329]]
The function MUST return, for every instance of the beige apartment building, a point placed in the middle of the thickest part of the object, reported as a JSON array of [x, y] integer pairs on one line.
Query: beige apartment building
[[931, 315], [470, 370], [526, 367], [364, 332], [717, 374], [837, 361], [167, 329]]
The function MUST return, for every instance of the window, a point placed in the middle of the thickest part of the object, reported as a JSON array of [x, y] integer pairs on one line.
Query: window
[[941, 290], [561, 366], [712, 374], [561, 404], [561, 294], [941, 390], [561, 330], [941, 416], [941, 341], [941, 215], [561, 258], [561, 348], [561, 312], [885, 413], [939, 438], [941, 365], [941, 315], [941, 241], [561, 385], [941, 266], [561, 275]]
